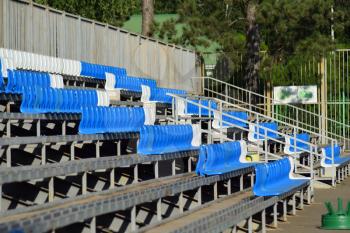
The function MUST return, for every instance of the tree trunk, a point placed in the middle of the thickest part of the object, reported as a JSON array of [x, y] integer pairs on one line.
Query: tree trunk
[[147, 17], [252, 58]]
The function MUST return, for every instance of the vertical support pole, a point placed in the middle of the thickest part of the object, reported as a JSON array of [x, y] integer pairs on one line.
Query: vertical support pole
[[189, 164], [265, 145], [156, 169], [221, 123], [43, 154], [64, 127], [229, 191], [241, 183], [274, 224], [38, 128], [112, 178], [284, 216], [173, 167], [84, 183], [8, 128], [159, 209], [323, 94], [263, 221], [309, 195], [215, 190], [93, 225], [334, 169], [119, 148], [293, 205], [181, 202], [72, 151], [133, 218], [210, 138], [250, 224], [8, 156], [199, 195], [0, 197], [51, 189], [136, 173], [97, 149], [301, 206]]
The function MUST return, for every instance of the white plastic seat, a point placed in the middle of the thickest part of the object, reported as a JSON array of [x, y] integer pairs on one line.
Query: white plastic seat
[[77, 68], [110, 81]]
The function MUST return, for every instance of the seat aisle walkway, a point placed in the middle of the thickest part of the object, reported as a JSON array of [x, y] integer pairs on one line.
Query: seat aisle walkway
[[309, 220]]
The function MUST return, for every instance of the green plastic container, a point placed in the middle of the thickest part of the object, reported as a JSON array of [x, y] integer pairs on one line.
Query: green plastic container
[[339, 220]]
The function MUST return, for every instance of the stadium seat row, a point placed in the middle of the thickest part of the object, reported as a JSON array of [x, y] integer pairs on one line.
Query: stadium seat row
[[14, 59], [258, 131], [216, 159], [99, 71], [158, 94], [111, 119], [38, 62], [45, 100], [17, 79], [160, 139], [238, 119], [133, 83], [276, 178], [297, 146], [326, 160]]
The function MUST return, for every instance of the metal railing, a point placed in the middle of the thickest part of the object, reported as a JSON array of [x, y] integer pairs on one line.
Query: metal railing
[[287, 113], [313, 152]]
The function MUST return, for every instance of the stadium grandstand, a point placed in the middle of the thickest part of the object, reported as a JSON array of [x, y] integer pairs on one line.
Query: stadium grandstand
[[100, 137]]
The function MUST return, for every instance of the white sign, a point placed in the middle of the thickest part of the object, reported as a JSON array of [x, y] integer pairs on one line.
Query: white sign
[[295, 95]]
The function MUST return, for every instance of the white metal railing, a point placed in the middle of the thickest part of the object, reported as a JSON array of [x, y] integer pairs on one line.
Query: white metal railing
[[315, 122], [313, 152]]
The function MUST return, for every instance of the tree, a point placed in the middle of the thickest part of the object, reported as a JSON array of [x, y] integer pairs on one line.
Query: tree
[[113, 12], [252, 56], [147, 17]]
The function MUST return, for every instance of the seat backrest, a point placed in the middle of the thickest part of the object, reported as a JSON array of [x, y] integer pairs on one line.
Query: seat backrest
[[157, 138], [303, 137], [327, 152], [270, 128], [235, 122], [219, 156], [272, 172]]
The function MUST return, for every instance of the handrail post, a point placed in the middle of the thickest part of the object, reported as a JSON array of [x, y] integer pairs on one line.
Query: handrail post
[[333, 166], [295, 149], [176, 110], [209, 123], [250, 100], [221, 124], [266, 157]]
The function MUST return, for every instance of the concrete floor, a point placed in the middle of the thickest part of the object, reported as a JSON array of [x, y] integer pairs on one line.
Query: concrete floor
[[309, 219]]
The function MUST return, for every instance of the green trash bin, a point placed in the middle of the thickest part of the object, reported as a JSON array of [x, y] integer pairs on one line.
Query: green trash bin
[[339, 220]]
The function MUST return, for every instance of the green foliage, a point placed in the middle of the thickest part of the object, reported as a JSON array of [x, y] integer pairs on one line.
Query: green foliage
[[113, 12]]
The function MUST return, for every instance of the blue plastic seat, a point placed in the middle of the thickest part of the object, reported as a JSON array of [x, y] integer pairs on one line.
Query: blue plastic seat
[[160, 94], [133, 83], [338, 159], [196, 110], [300, 143], [44, 100], [271, 129], [18, 79], [235, 122], [273, 179], [160, 139], [216, 159], [111, 119]]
